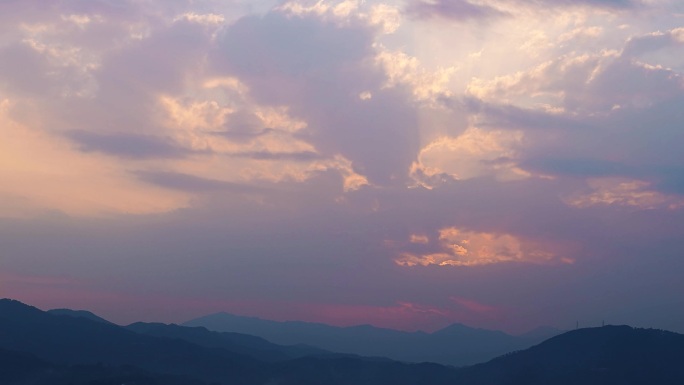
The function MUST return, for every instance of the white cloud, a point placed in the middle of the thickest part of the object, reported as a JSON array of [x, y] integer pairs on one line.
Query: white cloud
[[406, 70], [208, 19]]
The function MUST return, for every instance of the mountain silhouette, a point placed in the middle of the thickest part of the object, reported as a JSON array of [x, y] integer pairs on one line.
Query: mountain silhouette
[[15, 366], [456, 345], [605, 355], [66, 340], [252, 346], [59, 349], [79, 313], [19, 368], [44, 348]]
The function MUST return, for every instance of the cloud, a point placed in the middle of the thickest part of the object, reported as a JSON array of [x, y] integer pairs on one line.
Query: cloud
[[242, 136], [404, 70], [296, 152], [499, 115], [128, 145], [319, 77], [672, 181], [473, 153], [466, 248], [638, 46], [577, 167], [303, 156], [415, 238], [191, 183], [43, 173], [624, 192], [458, 10], [606, 3], [24, 70], [604, 114], [465, 10], [243, 126], [591, 82], [610, 4]]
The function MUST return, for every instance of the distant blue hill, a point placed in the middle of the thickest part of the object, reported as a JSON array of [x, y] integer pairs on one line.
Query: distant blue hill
[[456, 345], [252, 346]]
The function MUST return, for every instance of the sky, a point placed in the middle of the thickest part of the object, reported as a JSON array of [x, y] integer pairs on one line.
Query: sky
[[402, 163]]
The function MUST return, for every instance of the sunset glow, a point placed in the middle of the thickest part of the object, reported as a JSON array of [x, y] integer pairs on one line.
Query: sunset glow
[[402, 163]]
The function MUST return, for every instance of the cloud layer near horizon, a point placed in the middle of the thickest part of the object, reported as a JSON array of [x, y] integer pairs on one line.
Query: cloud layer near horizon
[[411, 164]]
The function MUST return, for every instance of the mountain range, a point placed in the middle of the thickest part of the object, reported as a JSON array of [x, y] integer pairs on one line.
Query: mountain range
[[456, 345], [76, 348]]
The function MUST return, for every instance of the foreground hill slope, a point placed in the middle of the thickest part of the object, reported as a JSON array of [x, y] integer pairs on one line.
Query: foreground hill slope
[[67, 340], [19, 368], [606, 356]]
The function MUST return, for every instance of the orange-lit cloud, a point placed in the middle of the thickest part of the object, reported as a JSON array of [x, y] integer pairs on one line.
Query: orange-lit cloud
[[624, 192], [468, 248], [417, 238], [473, 153]]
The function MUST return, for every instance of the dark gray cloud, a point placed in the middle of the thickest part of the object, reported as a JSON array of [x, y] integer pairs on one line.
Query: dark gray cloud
[[128, 145]]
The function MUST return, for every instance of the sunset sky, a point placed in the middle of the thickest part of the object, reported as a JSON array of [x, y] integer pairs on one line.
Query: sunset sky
[[403, 163]]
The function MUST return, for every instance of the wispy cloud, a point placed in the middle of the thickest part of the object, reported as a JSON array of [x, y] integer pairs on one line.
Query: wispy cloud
[[192, 183], [128, 145]]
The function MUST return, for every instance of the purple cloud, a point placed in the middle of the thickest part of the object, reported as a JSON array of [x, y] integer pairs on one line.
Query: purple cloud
[[128, 145], [459, 10], [191, 183], [319, 74]]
